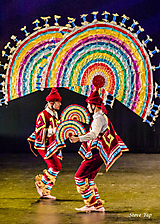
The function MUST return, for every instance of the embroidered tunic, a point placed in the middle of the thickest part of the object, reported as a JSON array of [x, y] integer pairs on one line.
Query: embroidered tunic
[[44, 133], [103, 137]]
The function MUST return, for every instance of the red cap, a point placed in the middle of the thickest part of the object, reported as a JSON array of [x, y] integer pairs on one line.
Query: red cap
[[95, 98], [53, 96]]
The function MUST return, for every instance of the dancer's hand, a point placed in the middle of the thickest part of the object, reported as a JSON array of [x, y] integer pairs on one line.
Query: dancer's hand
[[54, 130], [51, 131], [73, 139]]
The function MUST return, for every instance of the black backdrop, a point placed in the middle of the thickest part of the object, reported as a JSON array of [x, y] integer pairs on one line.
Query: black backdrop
[[17, 120]]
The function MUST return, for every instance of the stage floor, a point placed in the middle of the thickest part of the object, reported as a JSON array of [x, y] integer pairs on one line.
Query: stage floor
[[131, 191]]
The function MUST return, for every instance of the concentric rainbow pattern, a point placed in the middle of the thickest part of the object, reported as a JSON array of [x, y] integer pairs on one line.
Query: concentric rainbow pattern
[[109, 51], [67, 128], [74, 57], [26, 69], [75, 112]]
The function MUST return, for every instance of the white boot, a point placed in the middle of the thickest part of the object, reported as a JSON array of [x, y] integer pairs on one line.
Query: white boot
[[39, 190], [101, 209], [49, 197], [90, 209], [46, 193]]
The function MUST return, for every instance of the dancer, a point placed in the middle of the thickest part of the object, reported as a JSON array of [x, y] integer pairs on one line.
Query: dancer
[[100, 145], [44, 135]]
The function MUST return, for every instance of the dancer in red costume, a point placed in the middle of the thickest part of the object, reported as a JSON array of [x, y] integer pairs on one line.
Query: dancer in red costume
[[43, 136], [100, 145]]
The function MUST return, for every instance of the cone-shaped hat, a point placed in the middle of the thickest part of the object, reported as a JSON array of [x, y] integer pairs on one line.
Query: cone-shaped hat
[[53, 96]]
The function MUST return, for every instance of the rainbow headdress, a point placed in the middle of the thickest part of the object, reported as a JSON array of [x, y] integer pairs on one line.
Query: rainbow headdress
[[75, 112], [64, 130], [106, 54]]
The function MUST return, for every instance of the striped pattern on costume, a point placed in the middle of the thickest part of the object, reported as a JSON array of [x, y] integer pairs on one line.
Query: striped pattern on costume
[[110, 146], [86, 192], [92, 185], [49, 178]]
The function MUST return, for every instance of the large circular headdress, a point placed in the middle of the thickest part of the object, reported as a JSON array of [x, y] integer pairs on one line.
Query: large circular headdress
[[26, 68], [75, 112], [64, 130], [103, 53], [68, 128]]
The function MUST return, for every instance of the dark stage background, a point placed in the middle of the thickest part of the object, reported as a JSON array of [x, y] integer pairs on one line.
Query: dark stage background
[[17, 120]]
